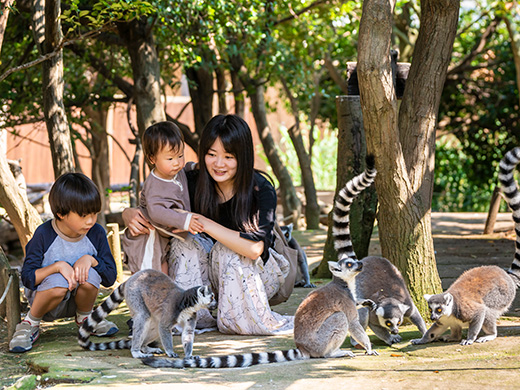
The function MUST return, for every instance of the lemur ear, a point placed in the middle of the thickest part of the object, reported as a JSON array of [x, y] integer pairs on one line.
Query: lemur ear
[[427, 296]]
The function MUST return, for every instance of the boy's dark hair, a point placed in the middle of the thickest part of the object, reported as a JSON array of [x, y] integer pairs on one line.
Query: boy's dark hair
[[74, 192], [159, 135]]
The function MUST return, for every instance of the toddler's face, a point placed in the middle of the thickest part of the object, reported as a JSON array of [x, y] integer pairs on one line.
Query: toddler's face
[[168, 162]]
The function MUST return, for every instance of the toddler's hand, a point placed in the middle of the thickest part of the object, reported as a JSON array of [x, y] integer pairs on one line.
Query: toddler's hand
[[195, 225]]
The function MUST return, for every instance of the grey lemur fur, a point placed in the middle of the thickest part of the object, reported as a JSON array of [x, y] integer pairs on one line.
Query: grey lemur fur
[[323, 318], [156, 304], [381, 282], [480, 295], [302, 277]]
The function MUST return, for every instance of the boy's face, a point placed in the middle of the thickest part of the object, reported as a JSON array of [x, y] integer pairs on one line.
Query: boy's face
[[168, 162], [74, 225]]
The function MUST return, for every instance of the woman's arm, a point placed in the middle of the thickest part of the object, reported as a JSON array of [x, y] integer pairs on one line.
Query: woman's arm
[[232, 239], [136, 223]]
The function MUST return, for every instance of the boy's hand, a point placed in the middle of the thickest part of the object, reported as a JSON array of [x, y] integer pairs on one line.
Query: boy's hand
[[195, 225], [82, 267], [67, 271]]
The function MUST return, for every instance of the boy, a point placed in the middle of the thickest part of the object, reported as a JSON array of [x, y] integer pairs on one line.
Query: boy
[[65, 261], [164, 199]]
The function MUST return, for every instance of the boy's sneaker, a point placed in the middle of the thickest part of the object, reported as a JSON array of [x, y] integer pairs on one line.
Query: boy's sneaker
[[104, 328], [24, 337]]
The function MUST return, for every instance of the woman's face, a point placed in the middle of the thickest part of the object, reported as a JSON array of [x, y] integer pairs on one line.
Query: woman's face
[[221, 165]]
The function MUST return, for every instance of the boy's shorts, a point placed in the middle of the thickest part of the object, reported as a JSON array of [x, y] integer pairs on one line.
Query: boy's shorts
[[67, 307]]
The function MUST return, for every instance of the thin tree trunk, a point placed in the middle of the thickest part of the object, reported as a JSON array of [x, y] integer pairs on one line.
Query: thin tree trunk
[[513, 25], [139, 41], [47, 33], [238, 94], [221, 91], [312, 209], [290, 202], [201, 91]]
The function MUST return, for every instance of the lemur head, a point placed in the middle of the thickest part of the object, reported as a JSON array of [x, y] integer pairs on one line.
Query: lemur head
[[206, 298], [287, 231], [440, 305], [390, 313], [346, 268]]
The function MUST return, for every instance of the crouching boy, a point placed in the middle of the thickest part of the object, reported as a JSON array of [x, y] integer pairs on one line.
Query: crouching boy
[[65, 262]]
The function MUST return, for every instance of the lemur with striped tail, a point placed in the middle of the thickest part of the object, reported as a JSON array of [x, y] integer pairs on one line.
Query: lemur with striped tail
[[480, 295], [156, 304], [324, 317]]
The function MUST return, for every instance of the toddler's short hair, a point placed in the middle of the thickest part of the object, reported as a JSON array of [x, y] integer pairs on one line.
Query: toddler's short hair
[[74, 192], [160, 135]]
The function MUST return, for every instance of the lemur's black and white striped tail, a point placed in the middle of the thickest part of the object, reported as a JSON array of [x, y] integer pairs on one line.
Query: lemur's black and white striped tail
[[341, 214], [98, 315], [230, 361], [512, 195]]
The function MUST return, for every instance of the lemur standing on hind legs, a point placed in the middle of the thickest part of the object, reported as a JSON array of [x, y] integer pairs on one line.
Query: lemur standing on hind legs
[[480, 295], [156, 304], [323, 318]]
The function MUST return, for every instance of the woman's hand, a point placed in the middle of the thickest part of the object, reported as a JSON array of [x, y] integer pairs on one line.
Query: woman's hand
[[136, 223]]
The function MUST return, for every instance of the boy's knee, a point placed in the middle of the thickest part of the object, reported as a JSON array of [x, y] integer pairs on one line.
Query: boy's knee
[[57, 293], [87, 287]]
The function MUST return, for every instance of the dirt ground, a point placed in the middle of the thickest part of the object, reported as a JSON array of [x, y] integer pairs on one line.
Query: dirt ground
[[57, 361]]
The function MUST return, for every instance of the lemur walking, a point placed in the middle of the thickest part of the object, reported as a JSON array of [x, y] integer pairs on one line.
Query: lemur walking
[[156, 304], [480, 295], [324, 317]]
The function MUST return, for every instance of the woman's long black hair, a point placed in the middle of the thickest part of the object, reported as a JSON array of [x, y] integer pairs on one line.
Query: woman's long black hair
[[235, 135]]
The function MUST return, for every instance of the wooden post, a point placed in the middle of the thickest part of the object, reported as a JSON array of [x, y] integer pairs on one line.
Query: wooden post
[[13, 304], [494, 207], [115, 246], [4, 265], [12, 299]]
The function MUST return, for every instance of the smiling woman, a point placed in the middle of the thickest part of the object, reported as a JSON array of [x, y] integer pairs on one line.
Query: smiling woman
[[236, 205]]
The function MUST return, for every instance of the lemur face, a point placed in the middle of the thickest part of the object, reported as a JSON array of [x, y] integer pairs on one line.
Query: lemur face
[[346, 268], [439, 305]]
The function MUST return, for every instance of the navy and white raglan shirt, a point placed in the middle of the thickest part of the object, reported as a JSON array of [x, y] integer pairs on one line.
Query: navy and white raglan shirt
[[48, 245]]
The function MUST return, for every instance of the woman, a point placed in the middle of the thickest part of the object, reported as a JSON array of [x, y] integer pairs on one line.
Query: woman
[[237, 206]]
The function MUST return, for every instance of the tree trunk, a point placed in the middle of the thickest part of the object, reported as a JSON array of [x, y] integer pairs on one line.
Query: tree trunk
[[201, 91], [238, 94], [221, 90], [512, 19], [22, 214], [47, 32], [312, 209], [351, 162], [138, 37], [404, 147], [290, 202]]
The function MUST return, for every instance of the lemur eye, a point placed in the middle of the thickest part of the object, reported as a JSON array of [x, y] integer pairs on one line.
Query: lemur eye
[[439, 310], [349, 265], [388, 323], [430, 309]]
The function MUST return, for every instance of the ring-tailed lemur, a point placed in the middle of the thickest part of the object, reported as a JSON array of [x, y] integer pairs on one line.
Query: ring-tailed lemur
[[323, 318], [381, 282], [156, 304], [302, 278], [480, 295]]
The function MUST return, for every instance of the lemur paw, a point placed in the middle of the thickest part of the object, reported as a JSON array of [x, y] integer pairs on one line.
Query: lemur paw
[[394, 339], [172, 354], [466, 342], [366, 303], [372, 353], [417, 341]]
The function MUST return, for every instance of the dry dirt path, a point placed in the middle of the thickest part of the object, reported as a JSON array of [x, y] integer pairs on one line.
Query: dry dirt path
[[58, 362]]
